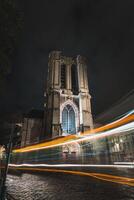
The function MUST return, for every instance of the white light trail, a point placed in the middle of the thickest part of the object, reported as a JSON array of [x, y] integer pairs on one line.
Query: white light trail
[[124, 163], [70, 165]]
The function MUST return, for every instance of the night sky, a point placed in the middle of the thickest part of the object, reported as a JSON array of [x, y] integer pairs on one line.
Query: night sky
[[103, 31]]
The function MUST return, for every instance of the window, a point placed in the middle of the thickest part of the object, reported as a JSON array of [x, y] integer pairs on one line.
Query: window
[[68, 120], [74, 79], [63, 76]]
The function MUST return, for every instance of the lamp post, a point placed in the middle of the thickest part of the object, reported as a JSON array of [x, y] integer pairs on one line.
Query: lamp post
[[2, 191], [2, 152]]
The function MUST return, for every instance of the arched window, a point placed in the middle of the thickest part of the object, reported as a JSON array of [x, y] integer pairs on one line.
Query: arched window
[[68, 120]]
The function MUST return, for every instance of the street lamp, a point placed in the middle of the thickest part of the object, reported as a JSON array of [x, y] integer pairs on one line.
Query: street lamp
[[2, 150]]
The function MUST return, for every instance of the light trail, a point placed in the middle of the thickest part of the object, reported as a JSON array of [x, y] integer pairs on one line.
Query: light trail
[[127, 118], [70, 165], [123, 128], [104, 177], [124, 163], [120, 126]]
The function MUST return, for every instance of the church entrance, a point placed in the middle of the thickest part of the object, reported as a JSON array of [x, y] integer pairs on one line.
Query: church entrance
[[68, 120]]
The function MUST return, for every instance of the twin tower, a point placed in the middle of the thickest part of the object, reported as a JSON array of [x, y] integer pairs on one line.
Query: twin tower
[[67, 98]]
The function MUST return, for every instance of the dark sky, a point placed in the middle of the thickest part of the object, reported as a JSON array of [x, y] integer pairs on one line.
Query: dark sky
[[103, 31]]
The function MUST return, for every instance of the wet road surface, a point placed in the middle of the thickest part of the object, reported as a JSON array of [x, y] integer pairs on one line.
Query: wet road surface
[[59, 186]]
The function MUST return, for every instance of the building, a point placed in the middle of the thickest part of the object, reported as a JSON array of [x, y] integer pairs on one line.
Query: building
[[32, 127], [119, 146], [122, 106], [67, 106], [67, 102]]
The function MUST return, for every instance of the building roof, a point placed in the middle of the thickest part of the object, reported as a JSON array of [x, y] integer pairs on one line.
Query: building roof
[[124, 105]]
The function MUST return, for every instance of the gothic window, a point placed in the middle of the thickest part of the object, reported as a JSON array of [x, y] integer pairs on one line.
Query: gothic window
[[74, 79], [63, 76], [68, 120]]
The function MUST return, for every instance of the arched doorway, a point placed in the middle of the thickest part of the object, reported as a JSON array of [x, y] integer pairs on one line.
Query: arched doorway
[[68, 120]]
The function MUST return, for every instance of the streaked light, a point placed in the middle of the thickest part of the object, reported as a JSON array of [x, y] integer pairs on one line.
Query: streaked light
[[124, 163], [103, 131], [70, 165], [104, 177], [124, 128]]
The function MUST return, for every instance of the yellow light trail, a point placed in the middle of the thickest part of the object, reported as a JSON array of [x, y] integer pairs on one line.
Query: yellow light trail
[[71, 138], [45, 144], [104, 177], [117, 123]]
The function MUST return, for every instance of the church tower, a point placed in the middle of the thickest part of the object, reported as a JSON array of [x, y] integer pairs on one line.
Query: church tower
[[67, 107]]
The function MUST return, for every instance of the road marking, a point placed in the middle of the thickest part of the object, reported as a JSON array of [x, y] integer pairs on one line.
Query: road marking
[[104, 177]]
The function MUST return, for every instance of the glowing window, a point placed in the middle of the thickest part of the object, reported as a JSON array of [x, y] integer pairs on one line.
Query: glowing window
[[68, 120]]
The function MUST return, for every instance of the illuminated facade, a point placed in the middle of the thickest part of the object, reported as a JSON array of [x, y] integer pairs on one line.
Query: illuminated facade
[[67, 102], [32, 127], [67, 106]]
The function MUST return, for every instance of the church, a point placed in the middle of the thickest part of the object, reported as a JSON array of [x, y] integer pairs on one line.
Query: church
[[67, 106]]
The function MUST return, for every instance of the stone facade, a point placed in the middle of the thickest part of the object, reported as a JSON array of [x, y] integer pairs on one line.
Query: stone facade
[[32, 128], [67, 107]]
